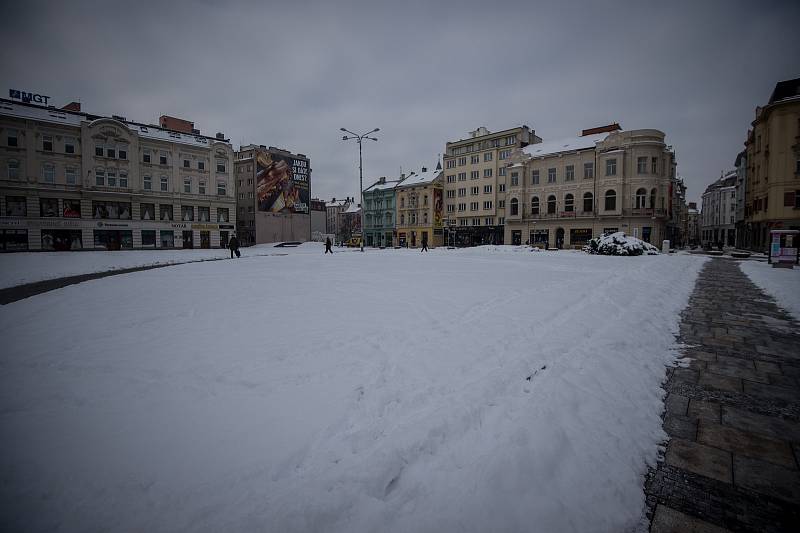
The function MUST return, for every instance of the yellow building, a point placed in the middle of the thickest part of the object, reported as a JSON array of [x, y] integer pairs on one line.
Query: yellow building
[[772, 193], [420, 208]]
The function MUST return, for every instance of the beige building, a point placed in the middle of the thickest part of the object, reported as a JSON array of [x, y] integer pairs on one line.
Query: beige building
[[772, 192], [273, 195], [70, 180], [475, 183], [419, 199], [562, 193]]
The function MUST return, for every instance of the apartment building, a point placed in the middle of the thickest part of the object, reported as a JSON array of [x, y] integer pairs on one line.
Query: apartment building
[[475, 183], [562, 193], [318, 219], [718, 212], [273, 195], [420, 209], [741, 199], [773, 166], [70, 180], [379, 212], [333, 212], [692, 225]]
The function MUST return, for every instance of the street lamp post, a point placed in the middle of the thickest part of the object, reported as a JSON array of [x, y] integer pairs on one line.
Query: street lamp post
[[358, 138]]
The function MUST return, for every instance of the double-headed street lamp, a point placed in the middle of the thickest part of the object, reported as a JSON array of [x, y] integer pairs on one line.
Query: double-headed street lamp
[[358, 138]]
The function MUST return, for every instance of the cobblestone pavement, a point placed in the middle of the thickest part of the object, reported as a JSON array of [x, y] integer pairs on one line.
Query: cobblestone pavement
[[732, 462]]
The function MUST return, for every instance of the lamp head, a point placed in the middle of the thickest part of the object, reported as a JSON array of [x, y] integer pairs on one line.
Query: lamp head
[[342, 129]]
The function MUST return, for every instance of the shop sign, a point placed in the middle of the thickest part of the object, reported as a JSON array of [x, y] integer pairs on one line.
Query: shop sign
[[178, 225], [112, 225], [10, 223], [25, 97], [205, 226], [226, 226]]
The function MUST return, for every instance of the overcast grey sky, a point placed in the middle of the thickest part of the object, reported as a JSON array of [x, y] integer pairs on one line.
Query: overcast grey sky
[[291, 74]]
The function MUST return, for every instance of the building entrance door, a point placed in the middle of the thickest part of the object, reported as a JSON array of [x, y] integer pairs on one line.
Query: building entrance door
[[188, 239], [205, 239], [516, 237], [560, 238]]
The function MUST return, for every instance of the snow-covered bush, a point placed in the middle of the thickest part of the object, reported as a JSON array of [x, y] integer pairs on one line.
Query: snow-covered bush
[[619, 244]]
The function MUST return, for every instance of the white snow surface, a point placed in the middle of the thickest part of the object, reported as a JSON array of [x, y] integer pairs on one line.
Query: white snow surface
[[782, 284], [383, 391]]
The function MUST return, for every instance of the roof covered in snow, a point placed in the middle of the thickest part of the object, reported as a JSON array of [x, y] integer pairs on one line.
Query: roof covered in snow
[[378, 186], [353, 208], [421, 178], [570, 144]]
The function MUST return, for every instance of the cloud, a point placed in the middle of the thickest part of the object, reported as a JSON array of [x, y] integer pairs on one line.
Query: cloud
[[291, 74]]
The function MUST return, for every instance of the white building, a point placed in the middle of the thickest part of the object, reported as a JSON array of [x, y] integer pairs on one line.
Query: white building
[[718, 212]]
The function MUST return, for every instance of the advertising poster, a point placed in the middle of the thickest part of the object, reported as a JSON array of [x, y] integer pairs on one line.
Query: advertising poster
[[437, 207], [281, 184]]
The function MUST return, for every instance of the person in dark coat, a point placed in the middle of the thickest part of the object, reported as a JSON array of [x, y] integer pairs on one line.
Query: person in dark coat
[[233, 244], [328, 245], [424, 242]]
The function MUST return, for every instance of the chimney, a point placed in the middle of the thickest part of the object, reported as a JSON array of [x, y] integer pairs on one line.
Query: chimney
[[334, 199], [601, 129], [72, 106], [220, 136], [382, 180], [424, 169]]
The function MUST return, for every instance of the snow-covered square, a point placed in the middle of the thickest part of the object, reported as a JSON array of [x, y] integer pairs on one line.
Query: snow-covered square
[[486, 389]]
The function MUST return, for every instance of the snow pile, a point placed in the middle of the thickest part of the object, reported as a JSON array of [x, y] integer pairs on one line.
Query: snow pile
[[619, 244], [462, 390], [783, 284]]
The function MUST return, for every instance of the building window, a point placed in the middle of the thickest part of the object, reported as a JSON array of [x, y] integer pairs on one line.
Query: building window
[[641, 198], [451, 163], [123, 153], [535, 177], [186, 163], [535, 205], [69, 145], [11, 138], [111, 152], [501, 204], [100, 177], [611, 167], [147, 211], [487, 189], [501, 171], [221, 190], [115, 210], [475, 159], [462, 161], [654, 169], [451, 178], [187, 185], [476, 221], [569, 203], [165, 212], [201, 165], [462, 176], [148, 183], [187, 213], [514, 207], [71, 175], [462, 207], [487, 205], [487, 156], [451, 208], [501, 187], [13, 169], [504, 154], [47, 143], [201, 187], [402, 219], [570, 173], [551, 204], [588, 170], [514, 179], [588, 202], [474, 191], [204, 214], [48, 207], [462, 191], [474, 174], [98, 150], [123, 179], [164, 183], [222, 214], [72, 208], [111, 175], [146, 156], [16, 206], [653, 194], [487, 172], [451, 194], [611, 200], [49, 173], [162, 158], [551, 175], [641, 165]]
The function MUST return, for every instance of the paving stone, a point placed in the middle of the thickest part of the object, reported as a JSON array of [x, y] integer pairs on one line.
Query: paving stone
[[708, 411], [745, 443], [783, 381], [769, 426], [766, 367], [726, 369], [710, 380], [679, 426], [700, 459], [767, 478], [701, 355], [676, 404], [684, 375], [668, 520], [790, 370], [774, 392], [726, 361]]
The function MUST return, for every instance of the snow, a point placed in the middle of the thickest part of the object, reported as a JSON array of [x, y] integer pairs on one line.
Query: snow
[[570, 144], [782, 284], [619, 243], [420, 178], [383, 391]]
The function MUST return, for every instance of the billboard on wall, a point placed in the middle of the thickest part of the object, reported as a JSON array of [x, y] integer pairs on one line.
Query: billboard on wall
[[437, 207], [282, 184]]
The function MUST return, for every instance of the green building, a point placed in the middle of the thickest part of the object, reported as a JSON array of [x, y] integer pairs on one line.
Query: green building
[[379, 213]]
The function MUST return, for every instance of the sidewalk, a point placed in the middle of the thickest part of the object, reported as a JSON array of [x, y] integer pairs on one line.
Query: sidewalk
[[733, 416]]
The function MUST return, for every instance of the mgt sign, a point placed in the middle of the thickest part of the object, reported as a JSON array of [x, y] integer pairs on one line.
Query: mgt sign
[[27, 98]]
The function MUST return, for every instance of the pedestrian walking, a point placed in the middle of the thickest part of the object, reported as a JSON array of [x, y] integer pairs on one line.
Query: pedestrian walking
[[424, 242], [233, 244], [328, 245]]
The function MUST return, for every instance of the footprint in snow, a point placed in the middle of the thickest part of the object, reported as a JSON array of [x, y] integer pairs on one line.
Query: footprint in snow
[[529, 379]]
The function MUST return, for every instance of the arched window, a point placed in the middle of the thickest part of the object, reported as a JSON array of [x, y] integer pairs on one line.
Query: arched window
[[569, 203], [535, 205], [551, 204], [641, 197], [425, 214], [402, 219], [588, 202], [611, 200], [514, 207], [653, 194]]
